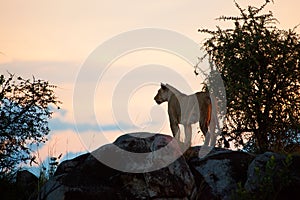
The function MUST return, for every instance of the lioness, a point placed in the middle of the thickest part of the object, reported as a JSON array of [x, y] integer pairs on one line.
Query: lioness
[[186, 110]]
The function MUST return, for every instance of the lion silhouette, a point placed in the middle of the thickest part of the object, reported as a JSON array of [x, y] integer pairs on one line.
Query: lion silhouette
[[186, 110]]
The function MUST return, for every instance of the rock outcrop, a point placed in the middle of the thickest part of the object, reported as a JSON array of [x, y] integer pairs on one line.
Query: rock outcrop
[[87, 178], [151, 166], [219, 172]]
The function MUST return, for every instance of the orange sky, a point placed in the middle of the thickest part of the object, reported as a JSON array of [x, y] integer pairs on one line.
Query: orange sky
[[52, 40], [69, 30]]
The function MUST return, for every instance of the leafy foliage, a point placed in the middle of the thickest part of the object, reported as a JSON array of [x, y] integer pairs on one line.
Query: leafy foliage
[[259, 65], [274, 179], [24, 114]]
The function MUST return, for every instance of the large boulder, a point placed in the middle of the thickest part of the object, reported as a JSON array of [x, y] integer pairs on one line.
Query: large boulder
[[68, 165], [218, 173], [88, 178], [27, 183]]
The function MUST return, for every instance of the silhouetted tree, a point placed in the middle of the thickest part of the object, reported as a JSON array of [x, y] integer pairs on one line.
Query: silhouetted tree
[[24, 114], [259, 65]]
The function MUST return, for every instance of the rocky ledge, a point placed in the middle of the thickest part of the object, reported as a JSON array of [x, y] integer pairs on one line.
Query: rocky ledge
[[199, 173]]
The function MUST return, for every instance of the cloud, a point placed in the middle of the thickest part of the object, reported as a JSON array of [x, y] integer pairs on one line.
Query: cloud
[[57, 124]]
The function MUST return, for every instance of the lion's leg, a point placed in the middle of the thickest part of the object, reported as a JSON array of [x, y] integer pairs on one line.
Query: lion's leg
[[212, 130], [188, 135], [203, 127], [205, 132], [207, 139], [213, 139], [175, 130]]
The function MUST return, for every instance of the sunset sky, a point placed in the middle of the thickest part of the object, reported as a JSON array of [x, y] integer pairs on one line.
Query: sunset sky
[[52, 40]]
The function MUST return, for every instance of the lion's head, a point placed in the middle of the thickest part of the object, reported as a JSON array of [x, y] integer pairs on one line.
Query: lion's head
[[162, 94]]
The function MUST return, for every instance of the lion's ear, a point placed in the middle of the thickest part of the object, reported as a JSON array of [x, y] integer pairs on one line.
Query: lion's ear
[[163, 86]]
